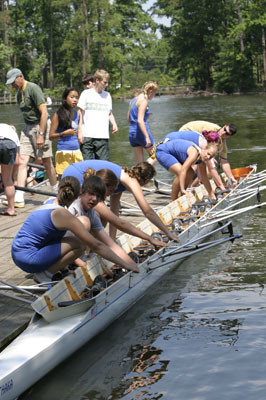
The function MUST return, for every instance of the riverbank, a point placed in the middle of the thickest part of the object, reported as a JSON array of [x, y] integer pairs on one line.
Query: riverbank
[[175, 91]]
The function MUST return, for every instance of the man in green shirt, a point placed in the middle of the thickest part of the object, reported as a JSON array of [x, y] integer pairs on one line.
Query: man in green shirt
[[34, 139], [224, 132]]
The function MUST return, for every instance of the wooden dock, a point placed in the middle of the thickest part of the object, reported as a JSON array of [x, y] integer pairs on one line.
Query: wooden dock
[[14, 314]]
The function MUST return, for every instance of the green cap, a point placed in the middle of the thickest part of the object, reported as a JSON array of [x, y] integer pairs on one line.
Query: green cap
[[12, 75]]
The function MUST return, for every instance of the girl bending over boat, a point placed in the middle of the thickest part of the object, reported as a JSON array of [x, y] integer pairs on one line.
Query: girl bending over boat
[[178, 157], [41, 244], [79, 207], [201, 140], [129, 179], [83, 208], [139, 133]]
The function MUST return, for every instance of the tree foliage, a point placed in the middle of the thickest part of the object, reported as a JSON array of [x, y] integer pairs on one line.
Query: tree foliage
[[219, 44]]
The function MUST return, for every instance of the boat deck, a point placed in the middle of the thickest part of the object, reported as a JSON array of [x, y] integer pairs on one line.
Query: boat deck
[[14, 314]]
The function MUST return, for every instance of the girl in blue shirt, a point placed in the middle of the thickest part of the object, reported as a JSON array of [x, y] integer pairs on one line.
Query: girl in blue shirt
[[66, 128], [178, 157], [41, 244], [139, 133]]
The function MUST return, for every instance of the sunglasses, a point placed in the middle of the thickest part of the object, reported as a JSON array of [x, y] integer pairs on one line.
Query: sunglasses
[[228, 133]]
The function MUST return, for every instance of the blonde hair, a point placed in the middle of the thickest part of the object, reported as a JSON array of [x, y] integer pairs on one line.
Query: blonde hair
[[13, 127], [101, 74], [212, 146], [149, 85]]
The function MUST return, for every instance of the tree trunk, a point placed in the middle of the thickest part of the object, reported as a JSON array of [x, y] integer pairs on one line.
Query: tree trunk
[[86, 40], [242, 47], [51, 78], [264, 54], [100, 53], [4, 10]]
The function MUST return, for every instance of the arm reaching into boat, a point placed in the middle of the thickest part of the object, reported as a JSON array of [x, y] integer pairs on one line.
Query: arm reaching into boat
[[214, 174], [108, 216], [41, 244], [178, 156], [126, 178], [63, 220], [134, 187]]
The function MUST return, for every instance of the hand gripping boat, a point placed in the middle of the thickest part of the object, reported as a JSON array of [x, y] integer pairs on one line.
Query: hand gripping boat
[[64, 319]]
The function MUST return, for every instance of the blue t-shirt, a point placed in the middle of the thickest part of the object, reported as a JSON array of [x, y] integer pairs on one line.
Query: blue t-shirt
[[78, 169], [191, 136], [173, 151], [68, 142]]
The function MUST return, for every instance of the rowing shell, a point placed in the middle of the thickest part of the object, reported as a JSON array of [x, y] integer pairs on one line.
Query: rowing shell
[[54, 332]]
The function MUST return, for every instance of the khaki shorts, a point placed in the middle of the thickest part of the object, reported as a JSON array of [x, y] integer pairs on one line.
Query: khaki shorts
[[65, 158], [28, 141]]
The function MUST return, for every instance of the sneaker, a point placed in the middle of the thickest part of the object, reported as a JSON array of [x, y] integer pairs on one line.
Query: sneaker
[[43, 276], [18, 204]]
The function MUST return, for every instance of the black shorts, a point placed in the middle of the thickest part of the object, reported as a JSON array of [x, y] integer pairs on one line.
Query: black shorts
[[8, 151]]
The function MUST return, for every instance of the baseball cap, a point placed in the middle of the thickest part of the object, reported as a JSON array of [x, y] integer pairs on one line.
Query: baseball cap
[[12, 75]]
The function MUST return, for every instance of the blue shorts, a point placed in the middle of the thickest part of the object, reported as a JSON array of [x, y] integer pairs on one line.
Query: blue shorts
[[136, 138], [33, 260], [164, 158]]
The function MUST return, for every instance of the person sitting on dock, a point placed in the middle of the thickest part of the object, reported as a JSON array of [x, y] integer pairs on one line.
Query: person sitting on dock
[[225, 132], [9, 147], [34, 138], [130, 179], [178, 157], [42, 247]]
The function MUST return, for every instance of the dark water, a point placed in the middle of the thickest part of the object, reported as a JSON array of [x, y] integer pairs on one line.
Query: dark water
[[201, 333]]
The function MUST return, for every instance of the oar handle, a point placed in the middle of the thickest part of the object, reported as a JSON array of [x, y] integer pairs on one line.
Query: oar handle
[[32, 190], [39, 166]]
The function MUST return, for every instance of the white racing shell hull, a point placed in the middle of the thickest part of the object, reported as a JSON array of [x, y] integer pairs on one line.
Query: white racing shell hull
[[43, 345]]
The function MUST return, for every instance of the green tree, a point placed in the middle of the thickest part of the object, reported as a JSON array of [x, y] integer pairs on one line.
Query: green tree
[[134, 35], [193, 37]]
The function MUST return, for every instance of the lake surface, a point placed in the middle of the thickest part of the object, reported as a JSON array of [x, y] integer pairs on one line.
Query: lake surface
[[201, 333]]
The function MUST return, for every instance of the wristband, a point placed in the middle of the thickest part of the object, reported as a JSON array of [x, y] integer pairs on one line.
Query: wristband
[[41, 133]]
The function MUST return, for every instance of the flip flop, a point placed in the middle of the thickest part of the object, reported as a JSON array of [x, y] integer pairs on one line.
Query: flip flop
[[7, 214]]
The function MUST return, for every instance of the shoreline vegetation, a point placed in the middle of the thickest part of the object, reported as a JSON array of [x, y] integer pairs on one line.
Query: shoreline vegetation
[[175, 91]]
